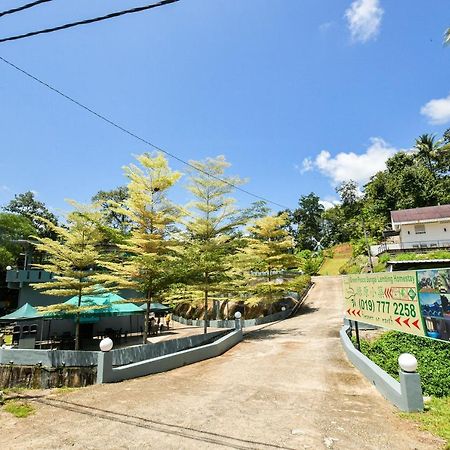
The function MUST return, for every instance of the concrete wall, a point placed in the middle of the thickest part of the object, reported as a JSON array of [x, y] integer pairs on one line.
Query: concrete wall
[[406, 395], [107, 374], [433, 232], [127, 355], [231, 323]]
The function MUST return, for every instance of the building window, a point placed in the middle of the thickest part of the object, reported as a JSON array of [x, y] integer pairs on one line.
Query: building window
[[409, 232], [419, 229], [445, 229]]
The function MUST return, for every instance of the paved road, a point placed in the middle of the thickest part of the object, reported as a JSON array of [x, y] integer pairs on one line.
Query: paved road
[[287, 386]]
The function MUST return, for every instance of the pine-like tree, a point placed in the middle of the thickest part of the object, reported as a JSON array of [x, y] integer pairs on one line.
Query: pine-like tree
[[210, 231], [268, 251], [148, 253], [73, 259]]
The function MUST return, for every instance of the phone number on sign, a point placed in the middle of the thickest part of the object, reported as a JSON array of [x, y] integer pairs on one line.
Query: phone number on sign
[[380, 306]]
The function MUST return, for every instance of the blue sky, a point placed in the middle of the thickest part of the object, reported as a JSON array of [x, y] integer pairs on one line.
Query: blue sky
[[298, 95]]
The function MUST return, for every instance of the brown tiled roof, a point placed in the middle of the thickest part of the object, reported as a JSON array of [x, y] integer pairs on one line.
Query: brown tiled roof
[[421, 214]]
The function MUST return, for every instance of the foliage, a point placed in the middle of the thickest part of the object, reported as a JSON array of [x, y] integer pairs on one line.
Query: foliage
[[12, 228], [432, 357], [299, 284], [211, 233], [305, 223], [435, 419], [147, 257], [110, 203], [27, 206], [73, 260], [309, 262], [18, 409], [410, 256], [268, 251]]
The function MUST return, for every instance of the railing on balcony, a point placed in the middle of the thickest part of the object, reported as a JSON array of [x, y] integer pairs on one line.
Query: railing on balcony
[[409, 246], [28, 276]]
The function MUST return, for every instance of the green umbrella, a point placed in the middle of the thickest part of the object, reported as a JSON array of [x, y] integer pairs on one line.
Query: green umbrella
[[23, 313], [157, 307], [104, 304]]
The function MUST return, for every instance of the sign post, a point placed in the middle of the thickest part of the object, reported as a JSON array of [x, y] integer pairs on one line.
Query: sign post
[[414, 302]]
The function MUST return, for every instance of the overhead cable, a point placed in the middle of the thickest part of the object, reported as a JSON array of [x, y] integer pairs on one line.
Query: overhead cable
[[134, 135], [88, 21], [21, 8]]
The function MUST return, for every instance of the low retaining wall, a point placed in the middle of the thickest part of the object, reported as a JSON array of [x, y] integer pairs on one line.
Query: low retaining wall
[[106, 373], [231, 323], [36, 377], [248, 322], [121, 356], [406, 394]]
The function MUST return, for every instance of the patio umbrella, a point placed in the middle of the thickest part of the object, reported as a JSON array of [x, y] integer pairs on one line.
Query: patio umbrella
[[23, 313], [157, 308], [103, 305]]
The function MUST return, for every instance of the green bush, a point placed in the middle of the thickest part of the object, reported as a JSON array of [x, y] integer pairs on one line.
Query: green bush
[[433, 358]]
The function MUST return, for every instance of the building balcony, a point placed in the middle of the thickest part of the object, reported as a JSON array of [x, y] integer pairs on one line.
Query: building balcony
[[422, 246], [16, 278]]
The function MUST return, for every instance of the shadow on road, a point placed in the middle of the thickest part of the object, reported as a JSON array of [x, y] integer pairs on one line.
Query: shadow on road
[[307, 309], [265, 333], [158, 426]]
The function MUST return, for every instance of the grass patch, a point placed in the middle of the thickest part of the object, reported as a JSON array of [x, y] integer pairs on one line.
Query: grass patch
[[18, 409], [332, 266], [335, 258], [436, 418], [63, 390]]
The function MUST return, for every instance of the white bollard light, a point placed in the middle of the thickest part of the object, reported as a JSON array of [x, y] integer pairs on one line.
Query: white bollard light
[[407, 362], [106, 344], [237, 315]]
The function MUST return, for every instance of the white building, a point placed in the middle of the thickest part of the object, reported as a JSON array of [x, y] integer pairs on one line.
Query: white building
[[419, 228]]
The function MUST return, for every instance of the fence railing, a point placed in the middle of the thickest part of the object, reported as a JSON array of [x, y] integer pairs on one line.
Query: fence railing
[[420, 245]]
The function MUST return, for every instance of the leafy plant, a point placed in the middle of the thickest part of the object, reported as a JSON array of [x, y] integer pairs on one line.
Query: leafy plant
[[432, 356]]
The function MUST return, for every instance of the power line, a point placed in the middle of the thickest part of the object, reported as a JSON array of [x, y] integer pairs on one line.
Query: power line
[[139, 138], [87, 21], [21, 8]]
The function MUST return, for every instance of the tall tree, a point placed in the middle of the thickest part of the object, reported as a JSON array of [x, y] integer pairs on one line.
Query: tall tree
[[73, 259], [148, 254], [12, 228], [110, 203], [211, 227], [307, 219], [27, 206], [268, 251]]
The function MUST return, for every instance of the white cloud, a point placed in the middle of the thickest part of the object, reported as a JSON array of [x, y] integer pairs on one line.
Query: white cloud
[[437, 110], [307, 165], [364, 19], [352, 166], [327, 204]]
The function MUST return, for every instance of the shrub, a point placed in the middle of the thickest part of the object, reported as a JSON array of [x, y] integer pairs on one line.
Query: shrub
[[432, 356]]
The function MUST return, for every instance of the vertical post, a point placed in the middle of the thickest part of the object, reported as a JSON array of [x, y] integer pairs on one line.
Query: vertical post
[[411, 388], [104, 367], [367, 244], [358, 343], [237, 321]]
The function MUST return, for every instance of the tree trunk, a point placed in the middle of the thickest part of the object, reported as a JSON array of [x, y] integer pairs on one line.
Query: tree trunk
[[205, 315], [147, 316], [77, 325]]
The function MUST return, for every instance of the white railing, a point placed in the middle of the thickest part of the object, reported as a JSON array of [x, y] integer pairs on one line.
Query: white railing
[[410, 246]]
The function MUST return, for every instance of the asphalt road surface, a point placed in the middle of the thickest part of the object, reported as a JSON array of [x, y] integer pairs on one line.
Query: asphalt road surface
[[286, 386]]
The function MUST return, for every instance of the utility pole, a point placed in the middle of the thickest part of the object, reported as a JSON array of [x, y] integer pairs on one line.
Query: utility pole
[[367, 243]]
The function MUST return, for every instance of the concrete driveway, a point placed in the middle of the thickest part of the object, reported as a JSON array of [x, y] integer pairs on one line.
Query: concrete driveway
[[286, 386]]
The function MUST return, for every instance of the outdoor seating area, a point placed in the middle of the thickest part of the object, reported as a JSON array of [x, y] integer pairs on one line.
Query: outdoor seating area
[[102, 315]]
